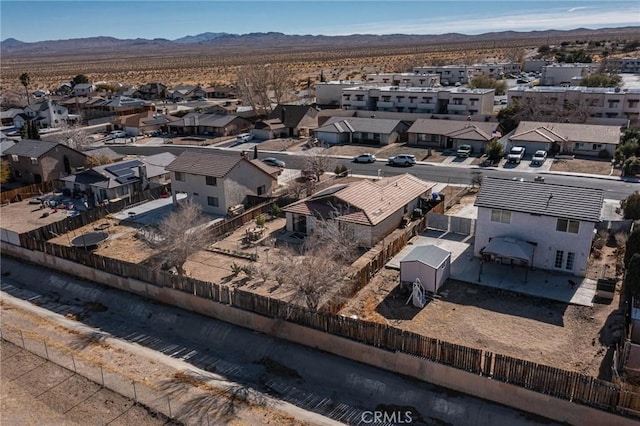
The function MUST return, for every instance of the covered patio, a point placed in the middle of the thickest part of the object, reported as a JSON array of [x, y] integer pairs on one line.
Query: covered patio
[[508, 251]]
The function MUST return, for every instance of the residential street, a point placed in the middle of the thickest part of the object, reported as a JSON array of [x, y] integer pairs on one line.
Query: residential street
[[614, 188], [328, 385]]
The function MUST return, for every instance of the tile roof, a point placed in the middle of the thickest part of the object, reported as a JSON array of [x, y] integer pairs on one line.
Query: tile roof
[[208, 120], [293, 114], [104, 151], [481, 130], [215, 164], [357, 124], [567, 132], [540, 198], [365, 202]]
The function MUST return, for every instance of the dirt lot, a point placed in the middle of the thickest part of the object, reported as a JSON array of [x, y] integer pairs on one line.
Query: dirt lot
[[579, 165], [31, 395], [571, 337], [422, 154]]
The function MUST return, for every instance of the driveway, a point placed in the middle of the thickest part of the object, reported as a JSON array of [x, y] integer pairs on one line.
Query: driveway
[[453, 160]]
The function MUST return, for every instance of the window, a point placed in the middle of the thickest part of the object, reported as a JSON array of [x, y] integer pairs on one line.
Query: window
[[503, 216], [212, 201], [570, 260], [261, 190], [15, 158], [567, 225], [34, 161], [179, 176], [597, 146], [211, 181], [559, 258]]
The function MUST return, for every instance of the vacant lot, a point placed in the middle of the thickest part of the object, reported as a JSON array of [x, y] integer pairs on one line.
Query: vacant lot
[[391, 150], [580, 165]]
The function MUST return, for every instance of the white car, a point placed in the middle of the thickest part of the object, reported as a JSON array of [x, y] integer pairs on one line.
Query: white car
[[365, 158], [539, 157], [402, 160], [117, 134]]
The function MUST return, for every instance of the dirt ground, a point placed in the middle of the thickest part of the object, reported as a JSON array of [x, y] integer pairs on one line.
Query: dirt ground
[[31, 395], [578, 165], [422, 154], [114, 359], [570, 337], [122, 243]]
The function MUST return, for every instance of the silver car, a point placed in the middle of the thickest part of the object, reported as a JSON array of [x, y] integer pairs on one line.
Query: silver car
[[402, 160]]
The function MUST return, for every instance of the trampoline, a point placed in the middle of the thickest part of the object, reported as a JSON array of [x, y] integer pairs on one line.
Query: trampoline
[[90, 239]]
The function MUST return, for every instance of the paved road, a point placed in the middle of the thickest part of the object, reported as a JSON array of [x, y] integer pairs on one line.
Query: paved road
[[614, 189], [315, 381]]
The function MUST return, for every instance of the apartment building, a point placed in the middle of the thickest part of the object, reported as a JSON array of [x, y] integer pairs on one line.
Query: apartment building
[[406, 79], [449, 74], [622, 65], [609, 105], [330, 92], [495, 70], [566, 74], [424, 100], [535, 65]]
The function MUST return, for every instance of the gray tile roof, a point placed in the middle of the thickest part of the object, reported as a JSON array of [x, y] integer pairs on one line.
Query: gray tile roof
[[31, 148], [570, 202], [353, 124], [216, 164], [429, 255], [104, 151], [208, 120], [482, 130]]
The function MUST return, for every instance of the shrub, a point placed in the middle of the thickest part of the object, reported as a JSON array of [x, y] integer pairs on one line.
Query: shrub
[[276, 210], [604, 154], [260, 221]]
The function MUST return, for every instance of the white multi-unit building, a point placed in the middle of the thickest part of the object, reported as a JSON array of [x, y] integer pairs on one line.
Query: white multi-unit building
[[452, 74], [622, 65], [566, 74], [536, 224], [535, 65], [609, 105], [495, 70], [406, 79], [424, 100], [329, 93]]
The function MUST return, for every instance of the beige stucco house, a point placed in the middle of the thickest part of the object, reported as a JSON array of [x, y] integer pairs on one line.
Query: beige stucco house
[[372, 209], [218, 181]]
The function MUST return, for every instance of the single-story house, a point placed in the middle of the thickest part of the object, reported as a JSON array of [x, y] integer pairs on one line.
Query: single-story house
[[104, 152], [371, 209], [121, 179], [450, 134], [536, 224], [269, 129], [145, 123], [35, 161], [429, 263], [196, 123], [569, 138], [370, 131], [83, 89], [8, 116], [299, 120], [219, 181]]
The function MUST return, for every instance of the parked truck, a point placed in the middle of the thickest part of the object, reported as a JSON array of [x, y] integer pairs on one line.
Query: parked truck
[[515, 155]]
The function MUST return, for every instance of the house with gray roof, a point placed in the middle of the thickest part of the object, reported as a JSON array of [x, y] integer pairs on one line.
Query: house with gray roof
[[45, 114], [35, 161], [299, 120], [220, 180], [121, 179], [370, 209], [536, 224], [568, 138], [369, 131], [210, 124], [450, 134]]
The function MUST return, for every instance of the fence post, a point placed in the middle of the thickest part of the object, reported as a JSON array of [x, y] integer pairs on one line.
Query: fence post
[[169, 404], [102, 375], [74, 364], [22, 338], [135, 394], [46, 350]]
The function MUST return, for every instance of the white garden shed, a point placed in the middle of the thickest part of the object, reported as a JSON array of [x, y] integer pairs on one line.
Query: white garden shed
[[431, 264]]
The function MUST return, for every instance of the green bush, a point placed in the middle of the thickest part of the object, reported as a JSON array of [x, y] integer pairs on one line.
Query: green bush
[[604, 154], [260, 221]]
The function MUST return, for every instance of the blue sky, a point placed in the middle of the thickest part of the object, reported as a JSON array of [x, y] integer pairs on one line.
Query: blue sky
[[30, 21]]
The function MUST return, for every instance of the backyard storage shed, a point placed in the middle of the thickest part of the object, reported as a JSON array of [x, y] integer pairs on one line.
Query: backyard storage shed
[[429, 263]]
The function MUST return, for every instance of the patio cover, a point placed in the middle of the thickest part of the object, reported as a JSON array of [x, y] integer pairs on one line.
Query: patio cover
[[510, 248]]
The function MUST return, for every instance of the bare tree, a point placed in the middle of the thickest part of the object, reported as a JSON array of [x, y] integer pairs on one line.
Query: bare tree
[[515, 55], [72, 135], [319, 163], [316, 273], [262, 85], [280, 82], [181, 235]]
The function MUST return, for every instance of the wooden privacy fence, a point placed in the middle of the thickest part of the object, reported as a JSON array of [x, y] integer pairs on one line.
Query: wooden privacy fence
[[27, 191]]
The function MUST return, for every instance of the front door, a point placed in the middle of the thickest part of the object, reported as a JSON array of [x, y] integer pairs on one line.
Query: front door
[[37, 178], [300, 224]]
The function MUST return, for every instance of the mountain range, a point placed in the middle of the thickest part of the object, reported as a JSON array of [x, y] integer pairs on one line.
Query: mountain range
[[213, 40]]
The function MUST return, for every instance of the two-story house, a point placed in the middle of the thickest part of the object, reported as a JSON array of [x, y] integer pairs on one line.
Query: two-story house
[[218, 181], [536, 224], [45, 114], [34, 161]]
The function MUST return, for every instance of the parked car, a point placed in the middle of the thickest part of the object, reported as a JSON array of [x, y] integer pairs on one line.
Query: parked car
[[464, 151], [522, 81], [274, 162], [244, 137], [308, 174], [539, 157], [402, 160], [365, 158], [516, 155], [117, 134]]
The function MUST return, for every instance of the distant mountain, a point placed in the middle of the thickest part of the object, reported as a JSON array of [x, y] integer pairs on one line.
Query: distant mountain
[[276, 40], [199, 38]]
